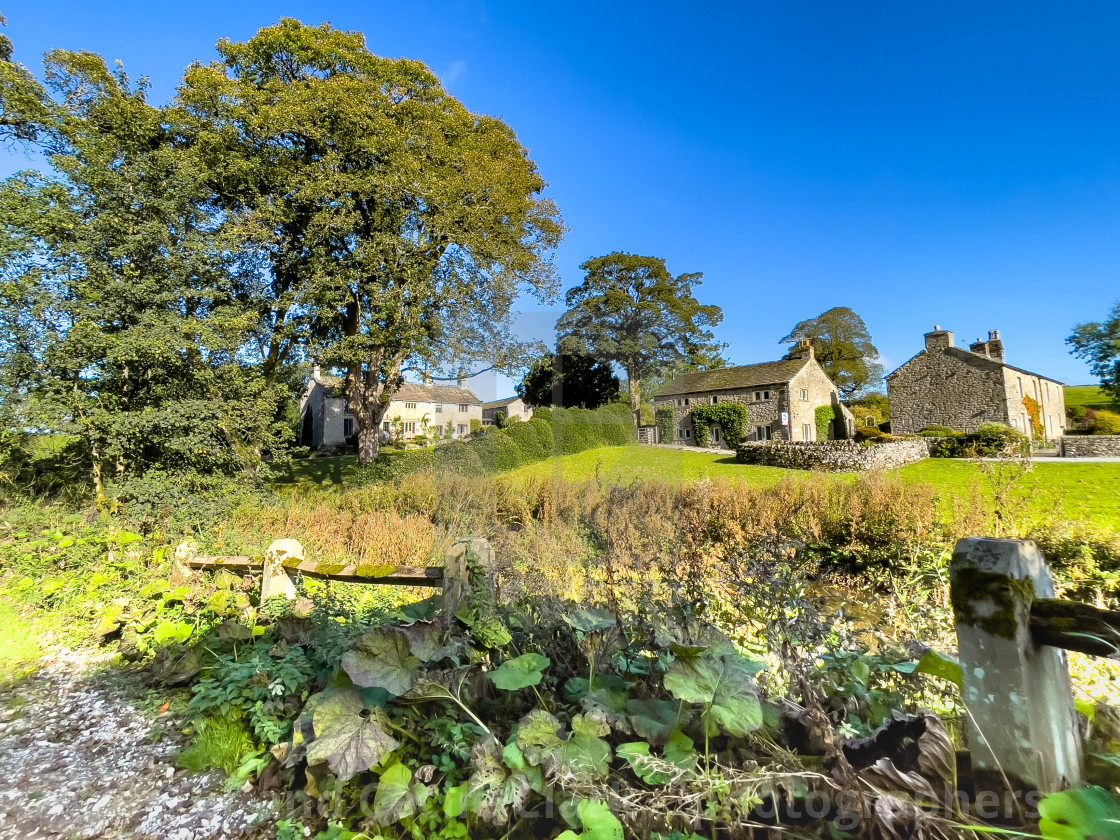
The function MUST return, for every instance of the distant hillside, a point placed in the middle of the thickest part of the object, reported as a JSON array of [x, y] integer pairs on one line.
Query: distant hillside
[[1090, 396]]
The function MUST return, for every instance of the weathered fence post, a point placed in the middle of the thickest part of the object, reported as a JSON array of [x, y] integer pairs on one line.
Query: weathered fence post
[[1023, 732], [275, 581], [457, 582]]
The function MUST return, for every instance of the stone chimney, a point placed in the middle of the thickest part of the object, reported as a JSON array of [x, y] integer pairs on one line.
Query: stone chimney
[[939, 340], [995, 345], [802, 350], [980, 348], [462, 378], [316, 373], [426, 377]]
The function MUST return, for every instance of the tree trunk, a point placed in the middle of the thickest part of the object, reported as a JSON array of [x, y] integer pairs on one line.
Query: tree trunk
[[369, 443], [635, 398]]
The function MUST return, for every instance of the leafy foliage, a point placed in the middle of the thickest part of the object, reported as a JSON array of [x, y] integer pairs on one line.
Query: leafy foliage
[[824, 415], [569, 380], [630, 310], [733, 420], [842, 345], [1098, 343]]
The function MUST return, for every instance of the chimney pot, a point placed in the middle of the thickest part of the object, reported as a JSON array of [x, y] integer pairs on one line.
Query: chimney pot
[[316, 372]]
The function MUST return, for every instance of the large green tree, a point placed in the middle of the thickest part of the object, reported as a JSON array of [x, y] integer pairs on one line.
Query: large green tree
[[119, 321], [569, 381], [842, 345], [397, 226], [632, 311], [1098, 343]]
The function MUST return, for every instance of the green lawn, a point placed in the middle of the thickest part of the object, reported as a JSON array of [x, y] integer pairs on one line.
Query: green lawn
[[1079, 492], [1090, 396]]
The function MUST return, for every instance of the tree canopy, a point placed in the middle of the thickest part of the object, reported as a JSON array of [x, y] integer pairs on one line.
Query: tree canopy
[[842, 345], [1098, 343], [397, 227], [117, 289], [632, 311], [569, 381]]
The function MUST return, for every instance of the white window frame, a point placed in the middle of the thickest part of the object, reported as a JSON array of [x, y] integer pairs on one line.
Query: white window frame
[[410, 406], [464, 408], [347, 426], [805, 394], [410, 427], [763, 433], [807, 431], [439, 408], [463, 427]]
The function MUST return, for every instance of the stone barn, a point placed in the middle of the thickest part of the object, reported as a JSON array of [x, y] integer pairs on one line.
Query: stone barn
[[946, 385]]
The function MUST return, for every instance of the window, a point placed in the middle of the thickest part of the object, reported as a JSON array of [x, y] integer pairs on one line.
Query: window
[[385, 426], [410, 428], [1014, 422], [1020, 387], [761, 396], [715, 400], [463, 408], [684, 434], [439, 408], [806, 431], [462, 428], [410, 406], [762, 433], [1047, 392], [1050, 424], [347, 426], [805, 394], [715, 434], [686, 400]]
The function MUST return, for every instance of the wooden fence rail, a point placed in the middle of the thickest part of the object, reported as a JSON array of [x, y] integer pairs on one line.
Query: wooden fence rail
[[285, 557]]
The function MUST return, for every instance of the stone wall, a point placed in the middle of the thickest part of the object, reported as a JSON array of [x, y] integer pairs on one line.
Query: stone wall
[[833, 455], [938, 389], [1090, 446], [762, 413]]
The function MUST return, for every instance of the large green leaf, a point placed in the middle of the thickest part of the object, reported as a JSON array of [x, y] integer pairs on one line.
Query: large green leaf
[[654, 720], [936, 665], [496, 789], [591, 621], [520, 672], [397, 795], [598, 823], [538, 738], [435, 685], [349, 736], [1081, 814], [586, 756], [723, 686], [381, 658], [637, 756]]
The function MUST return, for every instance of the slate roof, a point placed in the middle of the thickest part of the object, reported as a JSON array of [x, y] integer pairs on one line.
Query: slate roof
[[726, 379], [977, 360], [415, 392], [411, 392], [500, 403]]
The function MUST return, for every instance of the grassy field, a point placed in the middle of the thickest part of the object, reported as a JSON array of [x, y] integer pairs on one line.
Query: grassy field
[[1075, 492], [1090, 396]]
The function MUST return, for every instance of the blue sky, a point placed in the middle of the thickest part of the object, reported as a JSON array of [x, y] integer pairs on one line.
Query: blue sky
[[951, 163]]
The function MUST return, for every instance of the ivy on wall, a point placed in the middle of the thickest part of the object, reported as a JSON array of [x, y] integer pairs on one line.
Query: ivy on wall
[[825, 415], [733, 419], [1035, 412], [665, 419]]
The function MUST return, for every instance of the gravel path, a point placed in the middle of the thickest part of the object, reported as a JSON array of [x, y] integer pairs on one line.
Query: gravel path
[[78, 762]]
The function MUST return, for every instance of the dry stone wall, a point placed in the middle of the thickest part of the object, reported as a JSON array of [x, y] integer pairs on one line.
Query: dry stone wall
[[936, 389], [833, 455], [1090, 446]]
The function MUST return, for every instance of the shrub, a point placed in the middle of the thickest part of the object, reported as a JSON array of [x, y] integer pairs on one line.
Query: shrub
[[476, 426], [876, 404], [989, 441], [825, 414], [500, 419], [871, 434], [666, 418], [939, 431], [1106, 423], [731, 417]]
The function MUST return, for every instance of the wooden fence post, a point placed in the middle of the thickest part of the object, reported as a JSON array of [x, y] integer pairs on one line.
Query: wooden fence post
[[1023, 732], [457, 582]]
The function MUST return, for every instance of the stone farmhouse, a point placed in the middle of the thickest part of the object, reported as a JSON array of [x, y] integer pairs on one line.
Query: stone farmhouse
[[326, 422], [781, 397], [514, 408], [945, 385]]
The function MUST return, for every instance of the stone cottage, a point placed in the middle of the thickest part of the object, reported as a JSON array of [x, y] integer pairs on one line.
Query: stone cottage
[[514, 408], [782, 398], [946, 385], [326, 422]]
